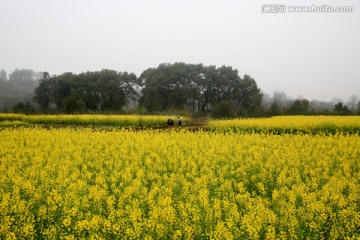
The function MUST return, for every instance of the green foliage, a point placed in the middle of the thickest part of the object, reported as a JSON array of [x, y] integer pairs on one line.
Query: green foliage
[[105, 90], [198, 88], [223, 110], [21, 107], [275, 109], [247, 94], [72, 105], [339, 109], [299, 107], [43, 93]]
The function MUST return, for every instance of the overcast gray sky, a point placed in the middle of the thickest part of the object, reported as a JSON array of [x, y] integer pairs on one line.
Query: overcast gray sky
[[314, 55]]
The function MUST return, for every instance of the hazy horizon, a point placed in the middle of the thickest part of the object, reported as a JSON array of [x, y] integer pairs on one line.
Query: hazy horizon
[[315, 55]]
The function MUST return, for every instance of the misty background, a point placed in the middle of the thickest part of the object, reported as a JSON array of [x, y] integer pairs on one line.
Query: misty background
[[312, 56]]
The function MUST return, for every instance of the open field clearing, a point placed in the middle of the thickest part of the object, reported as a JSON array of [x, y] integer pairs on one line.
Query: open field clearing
[[89, 120], [289, 124], [81, 184]]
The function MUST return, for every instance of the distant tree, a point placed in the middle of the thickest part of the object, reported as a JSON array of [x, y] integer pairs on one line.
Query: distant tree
[[104, 90], [115, 89], [18, 87], [175, 86], [321, 107], [61, 88], [274, 109], [346, 110], [299, 107], [21, 107], [3, 76], [352, 103], [43, 93], [266, 100], [247, 95], [282, 99], [197, 87], [223, 110], [170, 86], [207, 88], [128, 82], [226, 85], [340, 109], [72, 105], [23, 75]]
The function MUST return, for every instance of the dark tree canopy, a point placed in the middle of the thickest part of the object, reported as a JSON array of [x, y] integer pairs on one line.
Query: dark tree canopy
[[341, 109], [197, 87], [43, 93], [300, 107], [104, 90]]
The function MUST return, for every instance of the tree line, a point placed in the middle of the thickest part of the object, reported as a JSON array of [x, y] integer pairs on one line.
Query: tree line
[[100, 91], [169, 87], [17, 89], [196, 88]]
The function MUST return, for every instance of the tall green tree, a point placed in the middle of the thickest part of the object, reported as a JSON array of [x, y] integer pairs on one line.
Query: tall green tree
[[197, 87], [61, 88], [299, 107], [43, 93], [168, 86], [247, 94], [341, 109]]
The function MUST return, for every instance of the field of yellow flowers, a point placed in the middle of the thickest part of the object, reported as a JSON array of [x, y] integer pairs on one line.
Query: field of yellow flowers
[[8, 119], [150, 184], [289, 124]]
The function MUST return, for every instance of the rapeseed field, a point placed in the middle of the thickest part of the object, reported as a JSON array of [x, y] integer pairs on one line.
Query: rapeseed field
[[151, 184], [88, 120], [289, 124]]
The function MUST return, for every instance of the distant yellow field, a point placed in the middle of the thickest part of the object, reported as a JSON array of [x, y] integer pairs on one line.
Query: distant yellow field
[[290, 124], [87, 119], [85, 184]]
